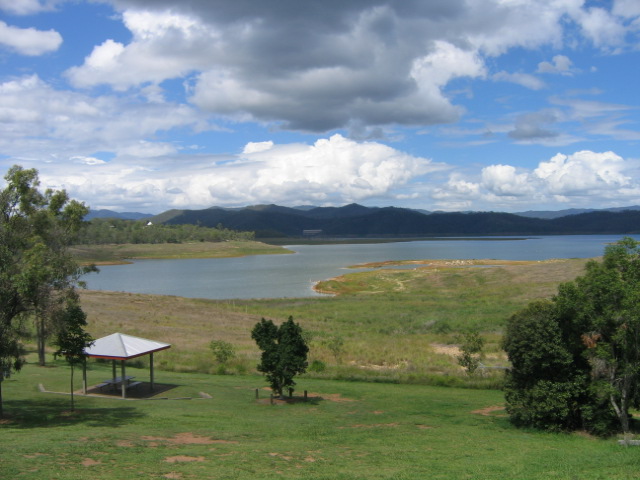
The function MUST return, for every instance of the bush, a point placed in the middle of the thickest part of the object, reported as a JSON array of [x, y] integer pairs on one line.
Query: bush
[[222, 351], [317, 366]]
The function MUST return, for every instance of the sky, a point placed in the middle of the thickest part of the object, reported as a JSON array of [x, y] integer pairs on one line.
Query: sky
[[451, 105]]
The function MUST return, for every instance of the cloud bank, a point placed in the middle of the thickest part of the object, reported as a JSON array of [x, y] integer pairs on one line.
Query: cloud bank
[[317, 67], [335, 102]]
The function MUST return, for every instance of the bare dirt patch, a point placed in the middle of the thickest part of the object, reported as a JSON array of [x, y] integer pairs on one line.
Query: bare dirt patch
[[186, 438], [488, 411], [312, 398], [35, 455], [372, 425], [280, 455], [90, 462], [333, 397], [183, 458], [442, 349]]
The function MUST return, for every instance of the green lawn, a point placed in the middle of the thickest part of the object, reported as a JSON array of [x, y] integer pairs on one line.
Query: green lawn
[[347, 430]]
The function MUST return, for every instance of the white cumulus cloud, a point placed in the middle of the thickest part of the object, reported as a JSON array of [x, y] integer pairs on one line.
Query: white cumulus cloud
[[561, 64], [27, 7], [29, 41], [581, 179], [332, 170]]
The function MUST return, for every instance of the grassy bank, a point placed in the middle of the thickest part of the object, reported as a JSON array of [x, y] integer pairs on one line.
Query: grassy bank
[[120, 253], [394, 325], [346, 431]]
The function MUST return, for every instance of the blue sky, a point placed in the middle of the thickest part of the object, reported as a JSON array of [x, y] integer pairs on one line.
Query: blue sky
[[147, 105]]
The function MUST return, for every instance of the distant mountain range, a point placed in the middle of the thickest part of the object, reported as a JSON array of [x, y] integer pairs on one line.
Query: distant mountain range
[[360, 221], [121, 215], [572, 211]]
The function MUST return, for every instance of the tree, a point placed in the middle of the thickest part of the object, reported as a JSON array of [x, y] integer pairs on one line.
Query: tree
[[576, 359], [37, 272], [72, 340], [222, 351], [604, 306], [11, 355], [284, 352], [544, 385], [336, 345], [471, 352]]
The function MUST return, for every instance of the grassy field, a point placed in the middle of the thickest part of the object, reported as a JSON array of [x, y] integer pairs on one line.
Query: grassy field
[[399, 325], [398, 328], [345, 431], [115, 254]]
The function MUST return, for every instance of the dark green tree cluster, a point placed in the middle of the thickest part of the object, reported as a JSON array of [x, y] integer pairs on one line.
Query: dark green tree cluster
[[576, 359], [101, 231], [284, 352], [38, 276]]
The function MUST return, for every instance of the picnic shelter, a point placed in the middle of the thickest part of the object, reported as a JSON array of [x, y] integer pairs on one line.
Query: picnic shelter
[[120, 347]]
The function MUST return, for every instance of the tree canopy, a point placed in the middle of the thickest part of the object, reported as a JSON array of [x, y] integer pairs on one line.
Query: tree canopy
[[72, 339], [284, 352], [38, 275], [576, 359]]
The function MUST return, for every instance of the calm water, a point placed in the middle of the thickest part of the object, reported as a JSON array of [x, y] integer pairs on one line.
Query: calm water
[[279, 276]]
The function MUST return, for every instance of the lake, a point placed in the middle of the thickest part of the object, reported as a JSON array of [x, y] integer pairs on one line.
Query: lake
[[287, 276]]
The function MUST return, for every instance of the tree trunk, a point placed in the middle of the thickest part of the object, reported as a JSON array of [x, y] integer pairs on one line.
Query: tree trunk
[[621, 414], [72, 405], [40, 329]]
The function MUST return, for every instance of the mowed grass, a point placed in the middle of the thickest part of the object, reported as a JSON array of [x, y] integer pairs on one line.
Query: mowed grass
[[346, 430]]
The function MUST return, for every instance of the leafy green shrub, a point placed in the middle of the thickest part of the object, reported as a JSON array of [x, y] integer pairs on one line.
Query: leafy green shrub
[[317, 366], [471, 352], [222, 351]]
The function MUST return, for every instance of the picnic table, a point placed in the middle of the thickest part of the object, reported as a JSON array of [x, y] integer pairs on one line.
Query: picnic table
[[116, 383]]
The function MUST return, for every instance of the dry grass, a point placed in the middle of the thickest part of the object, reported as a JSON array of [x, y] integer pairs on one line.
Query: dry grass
[[389, 320], [117, 254]]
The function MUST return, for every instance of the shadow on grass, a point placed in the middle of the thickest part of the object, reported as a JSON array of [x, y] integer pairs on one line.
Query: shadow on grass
[[56, 413], [141, 391], [310, 400]]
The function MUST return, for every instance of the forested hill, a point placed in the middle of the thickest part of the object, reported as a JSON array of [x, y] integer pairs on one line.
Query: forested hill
[[357, 220]]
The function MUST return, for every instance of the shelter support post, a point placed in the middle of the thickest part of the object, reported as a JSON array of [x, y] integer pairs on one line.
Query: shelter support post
[[84, 375], [151, 370], [124, 382], [113, 368]]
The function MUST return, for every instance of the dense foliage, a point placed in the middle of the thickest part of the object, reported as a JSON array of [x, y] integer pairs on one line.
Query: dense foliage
[[284, 352], [38, 275], [576, 359], [101, 231]]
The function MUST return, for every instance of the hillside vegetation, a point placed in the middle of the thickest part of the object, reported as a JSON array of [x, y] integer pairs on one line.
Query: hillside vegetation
[[101, 231], [356, 220], [111, 241]]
